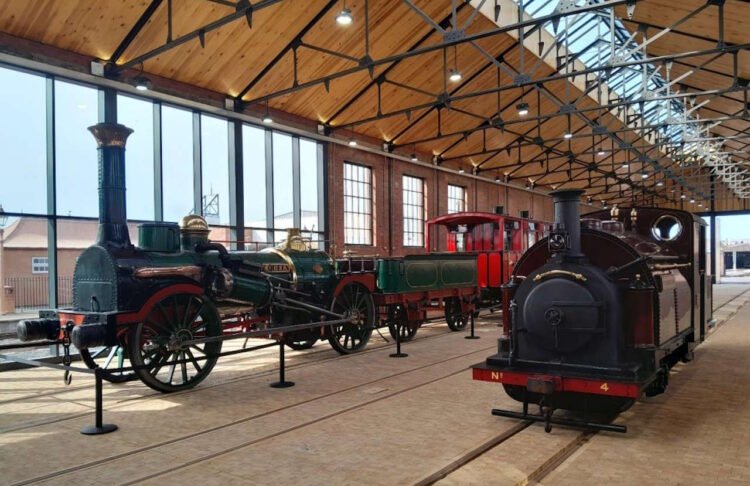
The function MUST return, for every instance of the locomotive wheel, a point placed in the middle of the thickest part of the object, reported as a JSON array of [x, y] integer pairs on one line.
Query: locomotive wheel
[[157, 341], [396, 316], [453, 316], [354, 301], [109, 358]]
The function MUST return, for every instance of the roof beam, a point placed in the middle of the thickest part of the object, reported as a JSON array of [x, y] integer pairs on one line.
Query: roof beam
[[134, 31], [290, 45]]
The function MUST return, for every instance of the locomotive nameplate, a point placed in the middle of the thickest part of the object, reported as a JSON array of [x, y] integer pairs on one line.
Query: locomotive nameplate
[[275, 268]]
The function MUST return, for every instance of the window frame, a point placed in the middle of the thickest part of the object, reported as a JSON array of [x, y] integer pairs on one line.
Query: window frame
[[454, 189], [367, 201], [40, 262], [408, 208]]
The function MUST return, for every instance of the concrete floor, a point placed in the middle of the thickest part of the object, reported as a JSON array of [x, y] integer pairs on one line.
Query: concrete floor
[[371, 419]]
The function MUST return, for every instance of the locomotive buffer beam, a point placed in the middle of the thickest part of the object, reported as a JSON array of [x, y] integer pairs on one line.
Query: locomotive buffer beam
[[549, 419]]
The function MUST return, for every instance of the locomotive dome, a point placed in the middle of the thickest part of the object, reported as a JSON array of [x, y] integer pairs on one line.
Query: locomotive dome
[[194, 223]]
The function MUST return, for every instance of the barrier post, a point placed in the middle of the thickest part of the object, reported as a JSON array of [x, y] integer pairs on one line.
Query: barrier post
[[282, 383], [98, 428], [398, 353], [471, 336]]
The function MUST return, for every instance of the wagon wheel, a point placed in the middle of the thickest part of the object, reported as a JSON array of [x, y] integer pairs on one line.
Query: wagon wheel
[[453, 316], [157, 343], [397, 315], [353, 301], [110, 358]]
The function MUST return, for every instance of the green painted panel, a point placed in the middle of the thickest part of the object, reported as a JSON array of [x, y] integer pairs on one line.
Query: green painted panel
[[426, 272]]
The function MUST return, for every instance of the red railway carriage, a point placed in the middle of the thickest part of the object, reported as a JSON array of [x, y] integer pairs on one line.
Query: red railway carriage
[[498, 240]]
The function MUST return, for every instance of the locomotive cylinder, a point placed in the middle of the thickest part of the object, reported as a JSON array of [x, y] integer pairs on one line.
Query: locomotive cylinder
[[568, 215], [110, 140]]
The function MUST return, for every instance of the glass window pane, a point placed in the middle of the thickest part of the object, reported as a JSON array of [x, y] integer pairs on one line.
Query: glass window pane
[[309, 163], [23, 164], [283, 202], [357, 205], [76, 109], [413, 209], [215, 169], [177, 162], [139, 166], [254, 175]]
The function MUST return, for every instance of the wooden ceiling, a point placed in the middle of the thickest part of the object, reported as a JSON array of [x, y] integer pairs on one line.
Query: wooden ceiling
[[251, 63]]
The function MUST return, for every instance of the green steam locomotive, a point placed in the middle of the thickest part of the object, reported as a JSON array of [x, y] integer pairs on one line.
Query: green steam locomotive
[[166, 304]]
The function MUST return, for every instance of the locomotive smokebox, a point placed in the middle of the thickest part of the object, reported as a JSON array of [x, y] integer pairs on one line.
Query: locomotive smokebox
[[568, 218], [113, 227]]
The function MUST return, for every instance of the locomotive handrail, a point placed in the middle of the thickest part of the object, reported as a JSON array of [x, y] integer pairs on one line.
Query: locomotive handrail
[[642, 259], [670, 266], [577, 276]]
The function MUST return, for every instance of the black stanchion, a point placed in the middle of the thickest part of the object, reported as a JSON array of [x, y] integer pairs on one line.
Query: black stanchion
[[471, 336], [98, 428], [282, 383], [398, 353]]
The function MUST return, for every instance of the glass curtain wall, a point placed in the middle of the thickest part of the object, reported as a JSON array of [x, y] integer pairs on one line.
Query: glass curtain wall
[[179, 161]]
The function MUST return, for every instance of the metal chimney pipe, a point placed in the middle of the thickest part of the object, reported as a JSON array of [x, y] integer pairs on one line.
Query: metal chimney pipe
[[568, 216], [113, 220]]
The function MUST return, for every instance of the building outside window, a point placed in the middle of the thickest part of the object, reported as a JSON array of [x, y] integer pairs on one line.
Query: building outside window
[[414, 216], [456, 199], [39, 264], [357, 204]]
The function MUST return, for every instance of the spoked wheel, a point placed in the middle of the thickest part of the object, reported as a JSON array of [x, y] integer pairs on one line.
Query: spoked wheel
[[456, 320], [157, 343], [109, 358], [397, 316], [353, 301]]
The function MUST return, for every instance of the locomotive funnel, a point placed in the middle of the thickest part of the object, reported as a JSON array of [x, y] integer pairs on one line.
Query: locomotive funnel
[[113, 226], [568, 215]]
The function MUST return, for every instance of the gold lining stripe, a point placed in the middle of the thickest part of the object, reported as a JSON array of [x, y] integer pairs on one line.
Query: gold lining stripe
[[281, 254]]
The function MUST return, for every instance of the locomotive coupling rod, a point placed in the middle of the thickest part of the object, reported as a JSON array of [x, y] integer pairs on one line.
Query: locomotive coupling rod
[[265, 332], [580, 424]]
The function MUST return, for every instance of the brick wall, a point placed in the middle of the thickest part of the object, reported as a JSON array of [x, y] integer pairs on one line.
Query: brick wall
[[387, 200]]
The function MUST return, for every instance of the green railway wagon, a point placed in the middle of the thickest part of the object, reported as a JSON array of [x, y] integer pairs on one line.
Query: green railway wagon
[[435, 271]]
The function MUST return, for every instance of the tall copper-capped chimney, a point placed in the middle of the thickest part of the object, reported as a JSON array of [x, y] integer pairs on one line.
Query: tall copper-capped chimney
[[568, 217], [113, 220]]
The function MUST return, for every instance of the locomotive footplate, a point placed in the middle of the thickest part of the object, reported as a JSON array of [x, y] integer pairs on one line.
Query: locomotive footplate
[[542, 388], [546, 384]]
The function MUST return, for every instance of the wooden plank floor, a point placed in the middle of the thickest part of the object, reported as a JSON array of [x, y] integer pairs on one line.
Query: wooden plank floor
[[360, 419]]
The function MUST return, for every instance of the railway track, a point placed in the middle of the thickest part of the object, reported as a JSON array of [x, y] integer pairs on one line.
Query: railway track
[[546, 467], [309, 358], [107, 461]]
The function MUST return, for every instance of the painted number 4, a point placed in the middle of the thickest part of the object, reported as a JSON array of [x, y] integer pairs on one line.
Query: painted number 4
[[604, 387]]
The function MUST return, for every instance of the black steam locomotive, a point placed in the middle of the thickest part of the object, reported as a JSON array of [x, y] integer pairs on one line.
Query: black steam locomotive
[[598, 312]]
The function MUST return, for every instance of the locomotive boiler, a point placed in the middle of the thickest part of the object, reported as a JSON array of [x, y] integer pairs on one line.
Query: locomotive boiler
[[597, 313], [148, 303]]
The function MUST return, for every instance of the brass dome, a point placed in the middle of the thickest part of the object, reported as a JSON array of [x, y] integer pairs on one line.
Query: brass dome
[[194, 223]]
